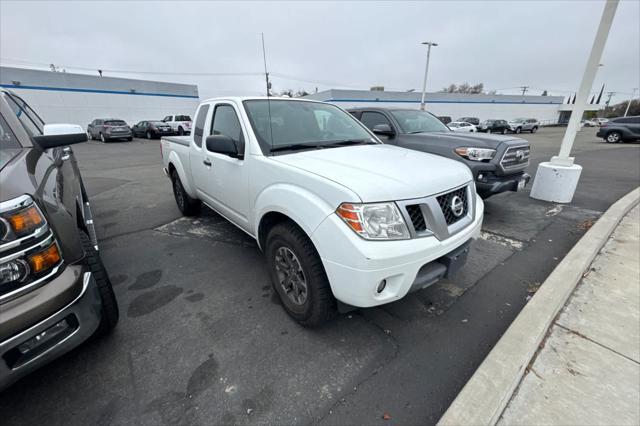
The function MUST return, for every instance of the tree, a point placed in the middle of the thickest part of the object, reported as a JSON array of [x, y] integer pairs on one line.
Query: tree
[[291, 94], [618, 109], [464, 88], [544, 93]]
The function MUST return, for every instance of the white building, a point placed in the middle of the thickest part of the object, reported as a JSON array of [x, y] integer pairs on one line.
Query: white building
[[60, 97], [547, 109]]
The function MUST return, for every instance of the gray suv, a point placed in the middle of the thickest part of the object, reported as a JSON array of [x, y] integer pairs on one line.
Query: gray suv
[[518, 125], [622, 129], [107, 129]]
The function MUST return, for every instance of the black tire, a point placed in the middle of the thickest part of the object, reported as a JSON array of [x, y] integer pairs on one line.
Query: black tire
[[188, 206], [504, 131], [110, 311], [518, 130], [180, 130], [149, 135], [488, 130], [130, 138], [103, 139], [614, 137], [319, 305], [534, 129]]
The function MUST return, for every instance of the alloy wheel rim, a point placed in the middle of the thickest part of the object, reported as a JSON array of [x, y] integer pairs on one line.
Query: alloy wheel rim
[[291, 277]]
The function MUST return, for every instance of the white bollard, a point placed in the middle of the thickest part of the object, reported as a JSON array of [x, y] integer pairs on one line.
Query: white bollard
[[556, 182]]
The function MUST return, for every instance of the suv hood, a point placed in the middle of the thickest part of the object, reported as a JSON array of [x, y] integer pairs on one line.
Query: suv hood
[[456, 139], [382, 172]]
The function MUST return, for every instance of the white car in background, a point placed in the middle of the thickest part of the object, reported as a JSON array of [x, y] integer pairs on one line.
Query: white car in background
[[181, 124], [461, 126]]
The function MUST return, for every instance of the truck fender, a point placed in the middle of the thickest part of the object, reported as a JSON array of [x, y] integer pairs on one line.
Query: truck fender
[[174, 160], [306, 209]]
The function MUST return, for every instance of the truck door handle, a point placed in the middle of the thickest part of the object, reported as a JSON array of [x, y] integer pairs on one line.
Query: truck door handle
[[207, 162]]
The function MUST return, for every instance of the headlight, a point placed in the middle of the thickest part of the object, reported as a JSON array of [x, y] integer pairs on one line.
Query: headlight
[[379, 221], [476, 154]]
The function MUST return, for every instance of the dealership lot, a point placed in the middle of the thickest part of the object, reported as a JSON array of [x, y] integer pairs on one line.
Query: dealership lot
[[202, 339]]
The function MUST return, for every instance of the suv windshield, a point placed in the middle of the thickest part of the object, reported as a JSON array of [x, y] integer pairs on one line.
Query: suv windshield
[[279, 124], [414, 121], [115, 123]]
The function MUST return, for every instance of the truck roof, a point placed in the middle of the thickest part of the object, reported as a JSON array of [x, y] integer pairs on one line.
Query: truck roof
[[252, 98]]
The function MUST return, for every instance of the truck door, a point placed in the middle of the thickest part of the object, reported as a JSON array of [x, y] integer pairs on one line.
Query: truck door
[[227, 184]]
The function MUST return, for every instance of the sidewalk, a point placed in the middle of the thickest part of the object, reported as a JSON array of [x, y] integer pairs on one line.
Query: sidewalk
[[587, 370]]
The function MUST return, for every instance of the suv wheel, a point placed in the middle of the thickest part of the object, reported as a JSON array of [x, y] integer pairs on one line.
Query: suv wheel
[[110, 311], [614, 137], [489, 130], [102, 138], [504, 130], [298, 276], [188, 206], [149, 135], [518, 130], [180, 130], [534, 129]]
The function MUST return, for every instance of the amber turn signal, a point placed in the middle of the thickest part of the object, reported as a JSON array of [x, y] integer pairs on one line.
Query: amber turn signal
[[25, 221], [45, 259], [349, 213]]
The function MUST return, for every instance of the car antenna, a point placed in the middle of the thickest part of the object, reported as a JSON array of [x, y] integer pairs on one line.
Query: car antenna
[[266, 76]]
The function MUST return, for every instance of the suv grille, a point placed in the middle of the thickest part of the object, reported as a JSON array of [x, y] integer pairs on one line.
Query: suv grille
[[451, 214], [515, 157], [417, 219]]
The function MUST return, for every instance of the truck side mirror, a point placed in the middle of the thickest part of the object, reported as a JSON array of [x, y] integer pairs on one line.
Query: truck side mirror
[[222, 144], [383, 129], [56, 135]]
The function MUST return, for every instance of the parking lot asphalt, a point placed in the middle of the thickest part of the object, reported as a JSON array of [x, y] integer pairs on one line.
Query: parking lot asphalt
[[203, 340]]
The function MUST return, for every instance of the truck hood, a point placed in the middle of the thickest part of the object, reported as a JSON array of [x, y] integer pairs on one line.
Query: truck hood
[[456, 139], [382, 172]]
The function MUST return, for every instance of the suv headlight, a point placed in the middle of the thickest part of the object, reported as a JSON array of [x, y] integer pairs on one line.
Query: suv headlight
[[376, 221], [476, 154]]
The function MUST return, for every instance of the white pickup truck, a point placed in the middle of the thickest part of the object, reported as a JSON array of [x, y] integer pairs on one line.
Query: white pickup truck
[[341, 218], [181, 124]]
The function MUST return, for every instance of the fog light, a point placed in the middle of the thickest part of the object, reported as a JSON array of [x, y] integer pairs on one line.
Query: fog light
[[44, 337], [480, 176], [381, 286]]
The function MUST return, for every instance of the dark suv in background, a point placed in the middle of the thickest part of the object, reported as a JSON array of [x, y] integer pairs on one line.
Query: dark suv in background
[[54, 291], [494, 126], [498, 163], [108, 129], [621, 129]]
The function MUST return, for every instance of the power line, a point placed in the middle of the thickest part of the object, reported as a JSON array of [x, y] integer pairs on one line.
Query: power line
[[524, 89]]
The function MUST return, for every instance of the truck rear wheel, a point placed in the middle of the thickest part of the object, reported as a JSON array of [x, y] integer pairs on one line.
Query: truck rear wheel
[[110, 311], [188, 206], [298, 276]]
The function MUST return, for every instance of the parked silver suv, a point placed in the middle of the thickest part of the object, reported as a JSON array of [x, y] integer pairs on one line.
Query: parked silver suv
[[518, 125]]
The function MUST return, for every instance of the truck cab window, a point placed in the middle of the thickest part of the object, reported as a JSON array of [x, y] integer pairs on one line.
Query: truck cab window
[[372, 119], [198, 131]]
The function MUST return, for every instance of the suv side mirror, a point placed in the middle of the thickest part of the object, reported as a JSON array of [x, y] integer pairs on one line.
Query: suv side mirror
[[56, 135], [383, 129], [222, 144]]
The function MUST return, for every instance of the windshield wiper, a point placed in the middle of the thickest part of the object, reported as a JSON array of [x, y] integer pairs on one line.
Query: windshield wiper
[[295, 147], [348, 142]]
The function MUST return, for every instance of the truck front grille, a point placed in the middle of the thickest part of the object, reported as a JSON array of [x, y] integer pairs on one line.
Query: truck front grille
[[515, 157], [454, 205], [417, 219]]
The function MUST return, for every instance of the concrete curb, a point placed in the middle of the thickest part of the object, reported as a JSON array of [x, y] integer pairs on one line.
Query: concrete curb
[[487, 393]]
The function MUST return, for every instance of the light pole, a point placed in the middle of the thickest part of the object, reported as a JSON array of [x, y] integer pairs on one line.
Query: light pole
[[426, 71], [557, 179], [626, 111]]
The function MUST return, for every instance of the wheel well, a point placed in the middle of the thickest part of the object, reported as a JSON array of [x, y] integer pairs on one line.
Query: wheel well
[[267, 222], [171, 168]]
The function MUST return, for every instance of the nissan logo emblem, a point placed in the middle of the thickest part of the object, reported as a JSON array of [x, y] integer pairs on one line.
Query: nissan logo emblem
[[457, 206]]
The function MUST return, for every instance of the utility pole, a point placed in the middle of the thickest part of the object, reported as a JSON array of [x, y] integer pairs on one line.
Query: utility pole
[[426, 71], [556, 180], [606, 104], [626, 111], [524, 89]]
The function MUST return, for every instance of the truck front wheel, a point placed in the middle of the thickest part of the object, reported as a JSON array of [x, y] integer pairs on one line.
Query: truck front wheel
[[188, 206], [298, 276]]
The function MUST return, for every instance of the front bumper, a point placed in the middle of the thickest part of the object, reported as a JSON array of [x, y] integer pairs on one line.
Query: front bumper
[[496, 184], [82, 317], [355, 267]]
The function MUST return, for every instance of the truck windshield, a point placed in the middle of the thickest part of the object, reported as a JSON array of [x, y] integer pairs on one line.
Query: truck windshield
[[414, 121], [282, 123]]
